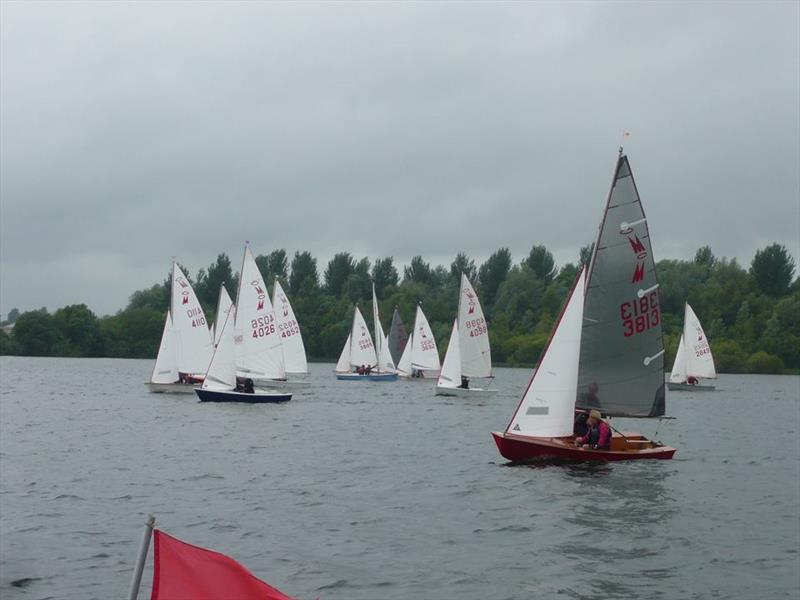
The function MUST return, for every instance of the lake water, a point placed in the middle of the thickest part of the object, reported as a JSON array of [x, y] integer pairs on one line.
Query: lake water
[[367, 491]]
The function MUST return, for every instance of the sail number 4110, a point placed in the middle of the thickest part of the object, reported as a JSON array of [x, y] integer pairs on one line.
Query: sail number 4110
[[640, 314]]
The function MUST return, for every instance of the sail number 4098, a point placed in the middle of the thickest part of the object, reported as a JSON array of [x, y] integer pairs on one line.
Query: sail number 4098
[[476, 327], [640, 314]]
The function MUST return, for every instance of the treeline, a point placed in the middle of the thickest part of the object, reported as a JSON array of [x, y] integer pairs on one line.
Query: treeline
[[751, 316]]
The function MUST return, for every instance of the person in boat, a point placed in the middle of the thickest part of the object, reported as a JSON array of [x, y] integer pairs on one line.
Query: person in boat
[[248, 386], [368, 370], [598, 433], [580, 428], [464, 383], [692, 380]]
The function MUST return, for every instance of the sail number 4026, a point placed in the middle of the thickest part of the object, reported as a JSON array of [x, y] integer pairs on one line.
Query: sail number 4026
[[640, 314], [262, 326]]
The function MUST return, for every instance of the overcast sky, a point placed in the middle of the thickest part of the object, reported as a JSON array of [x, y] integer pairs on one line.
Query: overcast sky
[[131, 133]]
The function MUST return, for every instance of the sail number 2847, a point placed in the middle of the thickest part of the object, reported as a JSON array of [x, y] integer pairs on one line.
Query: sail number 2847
[[640, 314]]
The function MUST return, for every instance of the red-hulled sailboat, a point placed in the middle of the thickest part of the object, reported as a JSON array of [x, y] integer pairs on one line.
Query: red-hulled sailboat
[[606, 351]]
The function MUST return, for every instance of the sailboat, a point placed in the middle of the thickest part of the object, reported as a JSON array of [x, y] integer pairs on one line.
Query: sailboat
[[259, 352], [220, 383], [420, 359], [294, 351], [606, 351], [398, 337], [186, 344], [359, 350], [694, 358], [468, 353]]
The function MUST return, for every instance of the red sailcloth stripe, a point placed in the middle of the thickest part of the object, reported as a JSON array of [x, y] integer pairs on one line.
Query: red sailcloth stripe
[[185, 572]]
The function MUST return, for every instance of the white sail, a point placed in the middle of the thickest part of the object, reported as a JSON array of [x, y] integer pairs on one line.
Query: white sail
[[424, 353], [166, 367], [260, 355], [699, 361], [194, 344], [548, 405], [221, 373], [678, 374], [385, 362], [450, 376], [404, 364], [476, 356], [294, 351], [224, 306], [362, 350], [343, 364]]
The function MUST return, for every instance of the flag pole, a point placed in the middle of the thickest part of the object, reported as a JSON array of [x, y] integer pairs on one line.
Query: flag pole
[[145, 545]]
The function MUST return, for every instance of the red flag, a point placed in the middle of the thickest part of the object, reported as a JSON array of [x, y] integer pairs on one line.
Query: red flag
[[185, 572]]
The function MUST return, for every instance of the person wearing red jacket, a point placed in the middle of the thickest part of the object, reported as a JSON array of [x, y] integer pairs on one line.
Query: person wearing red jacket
[[598, 434]]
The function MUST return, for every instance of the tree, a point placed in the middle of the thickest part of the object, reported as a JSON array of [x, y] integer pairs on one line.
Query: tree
[[418, 272], [36, 334], [772, 269], [520, 299], [384, 274], [273, 265], [13, 315], [541, 263], [8, 345], [304, 271], [339, 269], [462, 264], [209, 281], [705, 257], [358, 287], [81, 329], [585, 255], [491, 275]]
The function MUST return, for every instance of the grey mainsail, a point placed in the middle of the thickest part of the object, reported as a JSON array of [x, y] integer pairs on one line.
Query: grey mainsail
[[621, 368], [398, 337]]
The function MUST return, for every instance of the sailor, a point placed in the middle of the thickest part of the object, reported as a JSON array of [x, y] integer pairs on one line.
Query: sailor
[[464, 382], [598, 434], [692, 380], [248, 386], [579, 428]]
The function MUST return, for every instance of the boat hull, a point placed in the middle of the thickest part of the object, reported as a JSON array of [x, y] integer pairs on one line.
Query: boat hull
[[520, 448], [277, 384], [171, 388], [685, 387], [370, 377], [464, 393], [231, 396]]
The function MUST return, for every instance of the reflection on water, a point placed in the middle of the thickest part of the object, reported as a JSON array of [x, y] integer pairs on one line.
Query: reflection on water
[[384, 491]]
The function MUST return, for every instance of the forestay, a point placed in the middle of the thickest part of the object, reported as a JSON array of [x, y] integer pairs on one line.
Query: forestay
[[384, 360], [476, 355], [547, 408], [450, 377], [260, 355], [221, 375], [398, 337], [362, 350], [622, 353], [424, 353], [699, 361], [678, 374], [343, 364], [294, 351], [166, 367], [224, 306], [194, 344]]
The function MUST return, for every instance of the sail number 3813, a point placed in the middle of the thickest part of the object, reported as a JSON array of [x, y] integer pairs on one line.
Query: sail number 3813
[[640, 314]]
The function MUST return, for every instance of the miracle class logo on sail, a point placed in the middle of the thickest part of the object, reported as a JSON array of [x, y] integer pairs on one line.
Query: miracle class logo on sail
[[642, 313]]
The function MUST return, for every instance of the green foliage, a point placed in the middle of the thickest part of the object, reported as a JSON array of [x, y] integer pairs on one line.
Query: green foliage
[[541, 262], [763, 362], [585, 254], [273, 265], [751, 329], [772, 269]]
